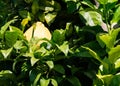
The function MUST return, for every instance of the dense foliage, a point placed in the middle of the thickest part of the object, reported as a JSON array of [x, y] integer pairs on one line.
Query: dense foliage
[[83, 51]]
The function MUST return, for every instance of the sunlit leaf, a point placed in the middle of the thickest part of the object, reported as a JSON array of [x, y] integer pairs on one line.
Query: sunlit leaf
[[92, 18], [114, 54], [44, 82], [102, 1], [64, 48], [7, 52], [50, 64], [50, 17]]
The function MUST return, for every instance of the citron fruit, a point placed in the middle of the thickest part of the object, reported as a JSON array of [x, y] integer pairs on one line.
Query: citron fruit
[[38, 30]]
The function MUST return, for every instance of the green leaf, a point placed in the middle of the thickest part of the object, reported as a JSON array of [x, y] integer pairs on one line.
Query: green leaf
[[54, 82], [117, 63], [114, 54], [58, 36], [4, 28], [7, 78], [88, 3], [72, 6], [92, 18], [116, 17], [94, 54], [59, 69], [102, 1], [50, 17], [10, 38], [64, 48], [105, 39], [35, 6], [74, 81], [36, 79], [106, 78], [50, 64], [44, 82], [7, 52]]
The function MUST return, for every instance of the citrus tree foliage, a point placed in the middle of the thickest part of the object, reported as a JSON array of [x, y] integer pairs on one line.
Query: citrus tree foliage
[[59, 43]]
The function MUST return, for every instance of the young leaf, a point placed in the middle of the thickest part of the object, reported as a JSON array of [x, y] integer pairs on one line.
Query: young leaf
[[50, 64], [50, 17], [116, 17], [114, 54], [105, 39], [64, 48], [102, 1], [44, 82], [7, 52]]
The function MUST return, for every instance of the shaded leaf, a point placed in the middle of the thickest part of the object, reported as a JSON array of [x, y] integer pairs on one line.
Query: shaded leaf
[[74, 81], [59, 69]]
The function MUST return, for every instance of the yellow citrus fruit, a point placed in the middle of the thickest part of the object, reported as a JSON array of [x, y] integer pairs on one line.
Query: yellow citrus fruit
[[38, 30]]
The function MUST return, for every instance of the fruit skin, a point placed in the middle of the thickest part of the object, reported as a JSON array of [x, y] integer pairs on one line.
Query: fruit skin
[[39, 31]]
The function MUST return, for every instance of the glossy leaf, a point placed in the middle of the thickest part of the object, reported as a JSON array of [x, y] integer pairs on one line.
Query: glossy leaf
[[114, 54], [92, 18], [50, 64], [44, 82]]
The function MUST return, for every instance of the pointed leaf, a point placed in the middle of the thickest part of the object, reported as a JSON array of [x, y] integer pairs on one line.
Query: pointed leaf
[[54, 82], [44, 82], [116, 16], [114, 54], [64, 48], [7, 52], [50, 17], [94, 54], [50, 64]]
